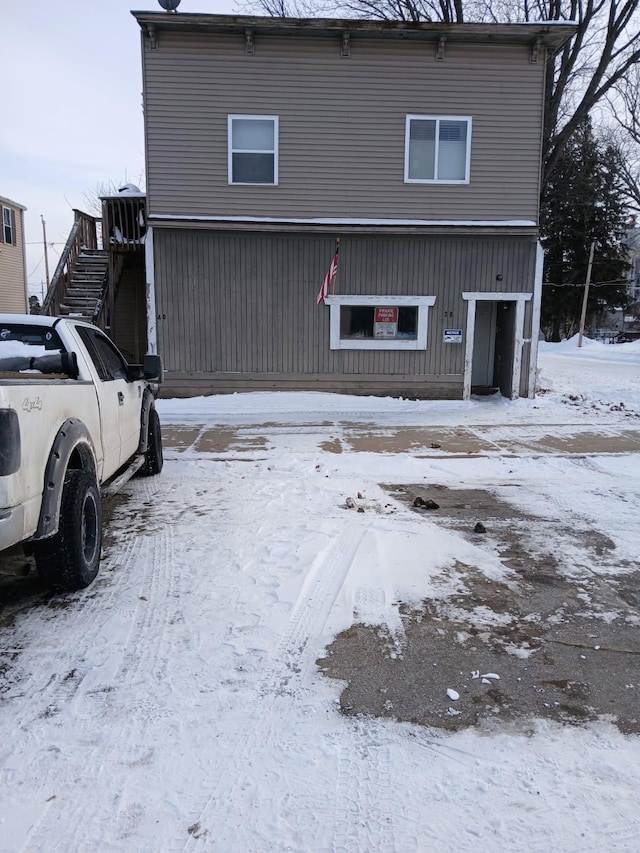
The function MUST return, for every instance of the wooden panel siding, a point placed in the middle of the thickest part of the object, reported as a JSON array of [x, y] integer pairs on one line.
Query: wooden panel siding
[[243, 305], [342, 126]]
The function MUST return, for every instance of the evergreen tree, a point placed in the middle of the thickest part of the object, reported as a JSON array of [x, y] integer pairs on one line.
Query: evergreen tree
[[583, 202]]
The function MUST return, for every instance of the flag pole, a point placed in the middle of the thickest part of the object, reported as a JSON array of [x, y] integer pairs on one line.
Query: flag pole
[[333, 283]]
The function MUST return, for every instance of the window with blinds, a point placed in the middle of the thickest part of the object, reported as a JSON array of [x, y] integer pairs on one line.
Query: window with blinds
[[437, 149]]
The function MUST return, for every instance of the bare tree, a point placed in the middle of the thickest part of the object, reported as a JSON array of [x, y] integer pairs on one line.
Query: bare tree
[[604, 51], [624, 141], [291, 8], [600, 60], [92, 196], [625, 103]]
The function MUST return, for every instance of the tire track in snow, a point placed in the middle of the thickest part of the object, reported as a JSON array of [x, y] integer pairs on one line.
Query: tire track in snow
[[84, 616], [292, 663], [33, 740], [293, 658], [362, 820], [128, 669], [370, 606]]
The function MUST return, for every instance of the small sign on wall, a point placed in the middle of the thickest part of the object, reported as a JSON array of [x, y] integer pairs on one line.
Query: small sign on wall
[[385, 323], [452, 336]]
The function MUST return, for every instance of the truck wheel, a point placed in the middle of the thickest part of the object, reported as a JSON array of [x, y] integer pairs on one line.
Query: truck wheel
[[71, 558], [153, 456]]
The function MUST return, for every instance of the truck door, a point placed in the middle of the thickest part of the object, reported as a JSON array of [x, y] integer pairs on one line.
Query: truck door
[[120, 398]]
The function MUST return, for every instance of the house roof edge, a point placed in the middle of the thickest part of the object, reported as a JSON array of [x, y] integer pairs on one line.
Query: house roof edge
[[552, 33]]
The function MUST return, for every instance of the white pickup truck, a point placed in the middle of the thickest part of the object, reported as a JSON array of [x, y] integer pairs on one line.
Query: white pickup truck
[[75, 420]]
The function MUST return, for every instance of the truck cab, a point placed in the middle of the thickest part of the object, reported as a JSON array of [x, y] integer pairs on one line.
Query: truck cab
[[75, 420]]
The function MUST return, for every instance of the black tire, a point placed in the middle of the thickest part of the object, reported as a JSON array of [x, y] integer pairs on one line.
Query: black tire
[[153, 456], [71, 559]]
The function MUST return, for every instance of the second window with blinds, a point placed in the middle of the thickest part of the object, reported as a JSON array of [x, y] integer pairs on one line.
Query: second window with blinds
[[437, 149]]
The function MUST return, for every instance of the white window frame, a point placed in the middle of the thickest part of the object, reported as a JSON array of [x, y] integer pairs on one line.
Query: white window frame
[[422, 303], [230, 150], [9, 225], [437, 119]]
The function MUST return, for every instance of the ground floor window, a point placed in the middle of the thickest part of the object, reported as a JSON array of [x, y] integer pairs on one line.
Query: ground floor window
[[379, 322]]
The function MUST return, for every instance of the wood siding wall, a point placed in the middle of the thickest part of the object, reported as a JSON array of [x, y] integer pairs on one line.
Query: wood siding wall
[[238, 310], [13, 298], [342, 125]]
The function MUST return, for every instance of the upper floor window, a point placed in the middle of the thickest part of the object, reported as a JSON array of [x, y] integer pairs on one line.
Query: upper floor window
[[437, 149], [8, 226], [253, 149]]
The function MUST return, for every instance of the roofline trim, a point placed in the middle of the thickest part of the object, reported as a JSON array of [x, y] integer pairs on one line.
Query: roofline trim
[[552, 33]]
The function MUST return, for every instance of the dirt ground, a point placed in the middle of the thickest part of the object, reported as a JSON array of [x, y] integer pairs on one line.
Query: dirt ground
[[557, 649]]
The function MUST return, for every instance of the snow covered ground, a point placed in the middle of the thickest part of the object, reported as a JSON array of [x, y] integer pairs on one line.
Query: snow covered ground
[[177, 703]]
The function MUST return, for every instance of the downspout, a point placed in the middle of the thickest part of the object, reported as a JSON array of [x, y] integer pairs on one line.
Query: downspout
[[149, 264], [152, 328], [536, 309], [468, 351], [24, 263]]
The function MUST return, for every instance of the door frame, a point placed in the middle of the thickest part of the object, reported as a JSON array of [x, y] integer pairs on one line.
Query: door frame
[[471, 298]]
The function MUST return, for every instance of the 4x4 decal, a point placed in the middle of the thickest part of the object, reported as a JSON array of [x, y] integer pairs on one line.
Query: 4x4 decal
[[29, 405]]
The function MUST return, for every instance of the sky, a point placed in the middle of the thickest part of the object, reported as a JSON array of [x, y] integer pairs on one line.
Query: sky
[[72, 114]]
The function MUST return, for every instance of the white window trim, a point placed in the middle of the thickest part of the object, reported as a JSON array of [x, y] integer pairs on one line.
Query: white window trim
[[437, 119], [8, 225], [423, 303], [276, 137], [471, 298]]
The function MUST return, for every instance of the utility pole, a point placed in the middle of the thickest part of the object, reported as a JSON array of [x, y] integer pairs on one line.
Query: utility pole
[[586, 293], [46, 256]]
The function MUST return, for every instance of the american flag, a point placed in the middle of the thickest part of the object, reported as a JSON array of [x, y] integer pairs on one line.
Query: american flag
[[331, 274]]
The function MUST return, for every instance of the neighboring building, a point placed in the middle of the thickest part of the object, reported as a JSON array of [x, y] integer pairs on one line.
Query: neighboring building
[[13, 277], [632, 241], [418, 146]]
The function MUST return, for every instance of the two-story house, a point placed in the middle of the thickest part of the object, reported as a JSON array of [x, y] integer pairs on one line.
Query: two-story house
[[418, 147], [13, 277]]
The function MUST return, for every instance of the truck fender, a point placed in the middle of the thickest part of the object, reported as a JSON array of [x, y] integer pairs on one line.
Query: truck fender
[[147, 403], [72, 448]]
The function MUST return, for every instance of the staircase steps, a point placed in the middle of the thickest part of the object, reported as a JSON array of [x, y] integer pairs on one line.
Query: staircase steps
[[86, 286]]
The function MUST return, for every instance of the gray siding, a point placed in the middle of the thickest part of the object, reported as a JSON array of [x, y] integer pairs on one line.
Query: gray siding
[[238, 310], [342, 126]]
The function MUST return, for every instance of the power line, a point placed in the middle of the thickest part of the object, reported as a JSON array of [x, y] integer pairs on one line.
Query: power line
[[35, 268], [620, 283]]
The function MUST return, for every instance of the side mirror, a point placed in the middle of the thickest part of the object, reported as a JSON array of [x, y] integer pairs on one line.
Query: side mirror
[[152, 367]]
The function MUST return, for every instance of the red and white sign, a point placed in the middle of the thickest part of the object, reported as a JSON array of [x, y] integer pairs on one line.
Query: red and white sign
[[385, 323]]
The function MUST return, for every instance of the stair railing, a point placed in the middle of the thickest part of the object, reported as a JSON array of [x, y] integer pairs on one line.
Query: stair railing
[[83, 236], [102, 314]]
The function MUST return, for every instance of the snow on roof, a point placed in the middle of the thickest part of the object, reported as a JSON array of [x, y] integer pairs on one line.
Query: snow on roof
[[27, 319], [129, 190], [491, 223]]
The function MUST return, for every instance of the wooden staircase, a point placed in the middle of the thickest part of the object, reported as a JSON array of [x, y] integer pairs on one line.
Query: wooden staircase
[[81, 280], [95, 283], [87, 285]]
